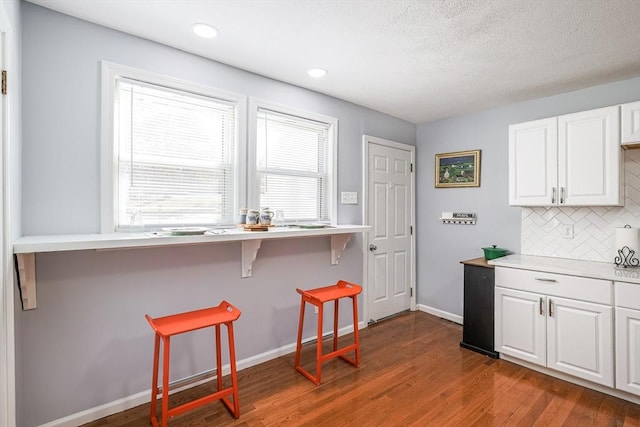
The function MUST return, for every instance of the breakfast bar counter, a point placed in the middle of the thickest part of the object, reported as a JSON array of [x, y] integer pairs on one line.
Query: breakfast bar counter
[[25, 248]]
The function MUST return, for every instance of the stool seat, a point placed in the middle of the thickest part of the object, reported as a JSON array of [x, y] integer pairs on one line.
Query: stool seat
[[193, 320], [329, 293], [175, 324], [318, 297]]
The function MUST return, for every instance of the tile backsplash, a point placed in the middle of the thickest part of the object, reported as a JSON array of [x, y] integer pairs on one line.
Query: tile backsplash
[[542, 231]]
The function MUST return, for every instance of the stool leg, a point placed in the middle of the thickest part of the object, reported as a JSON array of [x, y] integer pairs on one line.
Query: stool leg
[[165, 381], [319, 344], [335, 325], [300, 323], [356, 335], [218, 359], [234, 374], [154, 379]]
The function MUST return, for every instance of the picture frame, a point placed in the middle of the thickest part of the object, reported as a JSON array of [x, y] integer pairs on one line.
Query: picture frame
[[458, 169]]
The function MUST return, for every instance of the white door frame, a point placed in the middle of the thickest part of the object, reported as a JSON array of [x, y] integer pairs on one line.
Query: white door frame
[[366, 141], [7, 333]]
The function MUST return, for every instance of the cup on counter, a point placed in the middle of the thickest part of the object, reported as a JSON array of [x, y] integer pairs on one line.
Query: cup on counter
[[278, 218], [265, 216], [137, 222], [242, 217], [253, 217]]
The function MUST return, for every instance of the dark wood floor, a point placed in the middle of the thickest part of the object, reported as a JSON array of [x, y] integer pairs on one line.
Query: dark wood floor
[[413, 373]]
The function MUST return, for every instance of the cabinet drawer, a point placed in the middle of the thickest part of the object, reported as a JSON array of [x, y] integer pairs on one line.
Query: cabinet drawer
[[627, 295], [580, 288]]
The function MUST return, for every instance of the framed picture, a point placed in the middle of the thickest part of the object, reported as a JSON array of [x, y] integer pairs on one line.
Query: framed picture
[[459, 169]]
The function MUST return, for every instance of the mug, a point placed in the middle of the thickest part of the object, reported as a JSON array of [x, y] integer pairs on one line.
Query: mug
[[252, 217], [265, 216]]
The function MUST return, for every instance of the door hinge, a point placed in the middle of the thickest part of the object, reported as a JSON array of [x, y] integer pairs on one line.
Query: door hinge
[[411, 292], [4, 82], [411, 167], [411, 230]]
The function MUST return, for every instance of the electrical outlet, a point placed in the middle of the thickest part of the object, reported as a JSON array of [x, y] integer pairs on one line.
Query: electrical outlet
[[349, 198], [567, 231]]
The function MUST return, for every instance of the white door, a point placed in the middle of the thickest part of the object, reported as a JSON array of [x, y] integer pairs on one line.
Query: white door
[[389, 206], [628, 350], [580, 339], [589, 156], [533, 160], [7, 340], [520, 325]]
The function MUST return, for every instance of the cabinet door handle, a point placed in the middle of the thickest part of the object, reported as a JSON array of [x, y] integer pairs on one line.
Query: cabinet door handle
[[553, 195], [561, 195], [542, 279], [541, 307], [550, 307]]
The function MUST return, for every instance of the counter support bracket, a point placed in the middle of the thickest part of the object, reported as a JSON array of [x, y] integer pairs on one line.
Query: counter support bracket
[[249, 253], [26, 266], [338, 245], [250, 250]]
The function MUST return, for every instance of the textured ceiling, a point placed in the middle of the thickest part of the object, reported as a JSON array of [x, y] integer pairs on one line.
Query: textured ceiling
[[420, 60]]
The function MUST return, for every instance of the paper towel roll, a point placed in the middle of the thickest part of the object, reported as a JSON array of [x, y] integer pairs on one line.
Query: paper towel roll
[[627, 236]]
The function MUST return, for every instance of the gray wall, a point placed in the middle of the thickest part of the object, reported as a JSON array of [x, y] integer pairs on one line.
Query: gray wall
[[87, 343], [441, 247]]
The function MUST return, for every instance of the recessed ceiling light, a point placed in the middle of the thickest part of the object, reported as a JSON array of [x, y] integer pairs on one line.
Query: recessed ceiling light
[[205, 30], [317, 72]]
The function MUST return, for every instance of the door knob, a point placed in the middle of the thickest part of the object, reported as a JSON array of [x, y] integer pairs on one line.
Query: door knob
[[372, 248]]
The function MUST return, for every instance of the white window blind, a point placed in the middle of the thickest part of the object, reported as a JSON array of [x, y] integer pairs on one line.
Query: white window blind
[[293, 165], [175, 156]]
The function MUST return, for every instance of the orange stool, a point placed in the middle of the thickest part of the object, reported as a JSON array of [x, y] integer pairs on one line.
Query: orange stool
[[318, 297], [165, 328]]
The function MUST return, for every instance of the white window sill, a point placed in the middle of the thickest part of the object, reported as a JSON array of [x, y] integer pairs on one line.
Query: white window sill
[[25, 248]]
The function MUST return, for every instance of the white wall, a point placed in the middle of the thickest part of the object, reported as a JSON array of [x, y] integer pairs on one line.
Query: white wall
[[87, 343], [441, 247]]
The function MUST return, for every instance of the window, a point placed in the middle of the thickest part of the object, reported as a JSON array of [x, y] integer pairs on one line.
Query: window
[[294, 162], [174, 158]]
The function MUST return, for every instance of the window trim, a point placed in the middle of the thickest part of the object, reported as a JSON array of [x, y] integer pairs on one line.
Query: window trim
[[253, 187], [108, 162]]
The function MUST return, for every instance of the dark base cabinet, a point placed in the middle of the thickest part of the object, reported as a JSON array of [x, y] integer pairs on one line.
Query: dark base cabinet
[[477, 330]]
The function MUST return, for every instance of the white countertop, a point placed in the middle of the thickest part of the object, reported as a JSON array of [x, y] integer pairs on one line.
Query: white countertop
[[573, 267], [135, 240], [25, 248]]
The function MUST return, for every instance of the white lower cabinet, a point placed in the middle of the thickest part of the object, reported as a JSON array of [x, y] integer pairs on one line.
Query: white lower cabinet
[[520, 329], [628, 337], [580, 339], [540, 323]]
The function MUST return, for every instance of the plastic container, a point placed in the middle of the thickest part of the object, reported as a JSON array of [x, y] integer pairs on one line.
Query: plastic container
[[493, 252]]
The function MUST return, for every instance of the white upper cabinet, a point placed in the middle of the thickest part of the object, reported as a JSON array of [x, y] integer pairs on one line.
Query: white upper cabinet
[[533, 163], [589, 158], [570, 160], [631, 123]]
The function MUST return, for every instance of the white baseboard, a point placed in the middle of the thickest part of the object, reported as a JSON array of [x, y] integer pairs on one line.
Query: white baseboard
[[143, 397], [443, 314]]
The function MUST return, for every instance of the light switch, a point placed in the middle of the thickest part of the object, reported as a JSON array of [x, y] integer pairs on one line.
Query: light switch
[[349, 198]]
